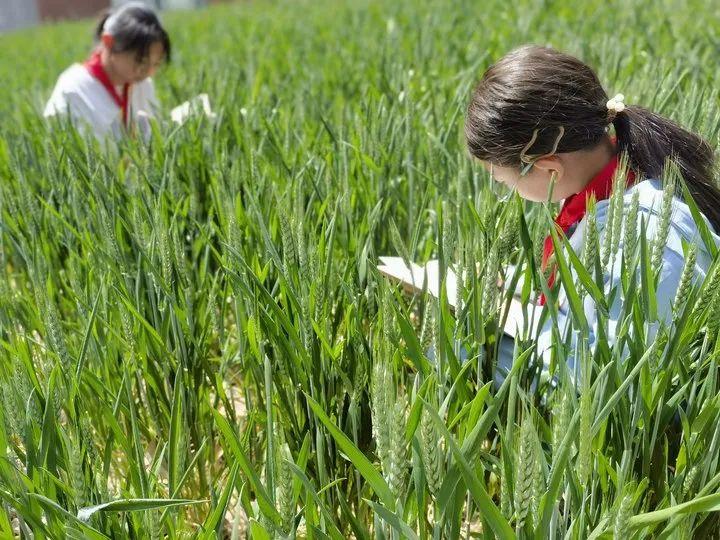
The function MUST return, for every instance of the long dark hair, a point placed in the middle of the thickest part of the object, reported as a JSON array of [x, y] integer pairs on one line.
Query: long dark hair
[[541, 91], [135, 28]]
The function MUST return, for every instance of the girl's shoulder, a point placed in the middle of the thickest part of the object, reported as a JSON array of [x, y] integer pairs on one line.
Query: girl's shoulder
[[650, 194], [650, 202], [650, 198], [76, 78]]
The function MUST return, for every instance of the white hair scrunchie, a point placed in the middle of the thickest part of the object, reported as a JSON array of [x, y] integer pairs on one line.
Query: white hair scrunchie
[[617, 103]]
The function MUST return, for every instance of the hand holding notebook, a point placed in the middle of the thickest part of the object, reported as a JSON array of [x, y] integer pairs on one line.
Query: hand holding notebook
[[200, 104], [412, 278]]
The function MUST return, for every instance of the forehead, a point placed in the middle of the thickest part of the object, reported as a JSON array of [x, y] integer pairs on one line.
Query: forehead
[[155, 54]]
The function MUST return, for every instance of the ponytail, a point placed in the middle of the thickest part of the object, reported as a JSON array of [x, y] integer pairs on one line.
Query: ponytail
[[100, 28], [649, 139]]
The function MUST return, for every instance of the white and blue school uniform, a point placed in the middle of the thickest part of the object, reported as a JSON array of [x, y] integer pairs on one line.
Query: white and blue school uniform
[[682, 229]]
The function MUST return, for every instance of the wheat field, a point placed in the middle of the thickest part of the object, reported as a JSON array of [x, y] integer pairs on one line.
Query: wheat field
[[195, 342]]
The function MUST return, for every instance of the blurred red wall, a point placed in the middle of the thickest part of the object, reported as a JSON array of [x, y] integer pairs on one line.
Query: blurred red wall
[[70, 9]]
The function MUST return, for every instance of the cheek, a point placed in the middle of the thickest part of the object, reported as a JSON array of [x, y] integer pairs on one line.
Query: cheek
[[126, 67], [505, 176], [531, 192], [534, 187]]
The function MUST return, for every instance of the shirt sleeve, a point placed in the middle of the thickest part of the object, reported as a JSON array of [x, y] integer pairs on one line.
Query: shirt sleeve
[[146, 108], [74, 106], [67, 103], [147, 99]]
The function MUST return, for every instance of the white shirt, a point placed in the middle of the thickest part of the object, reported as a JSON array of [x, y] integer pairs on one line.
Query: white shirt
[[682, 228], [91, 106]]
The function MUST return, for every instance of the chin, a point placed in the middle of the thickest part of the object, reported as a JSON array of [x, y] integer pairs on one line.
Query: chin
[[532, 197]]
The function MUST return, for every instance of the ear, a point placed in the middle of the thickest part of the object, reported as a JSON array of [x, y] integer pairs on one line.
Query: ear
[[551, 164], [108, 41]]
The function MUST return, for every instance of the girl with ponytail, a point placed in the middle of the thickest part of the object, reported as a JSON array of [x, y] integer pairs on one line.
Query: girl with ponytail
[[112, 93], [541, 123]]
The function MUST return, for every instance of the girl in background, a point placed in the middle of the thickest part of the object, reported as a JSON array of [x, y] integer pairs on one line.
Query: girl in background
[[112, 93]]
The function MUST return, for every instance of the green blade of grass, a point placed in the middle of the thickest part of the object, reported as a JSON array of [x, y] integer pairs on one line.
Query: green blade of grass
[[361, 463]]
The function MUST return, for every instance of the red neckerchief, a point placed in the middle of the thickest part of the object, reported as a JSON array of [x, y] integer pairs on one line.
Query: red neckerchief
[[575, 207], [96, 69]]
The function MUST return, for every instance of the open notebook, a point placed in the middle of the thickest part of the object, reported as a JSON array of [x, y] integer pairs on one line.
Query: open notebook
[[199, 105], [412, 278]]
